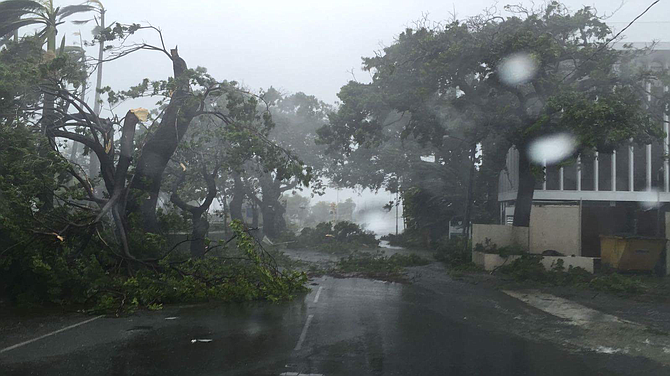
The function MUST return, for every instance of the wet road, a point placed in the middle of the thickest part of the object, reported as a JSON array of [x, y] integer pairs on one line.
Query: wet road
[[342, 327]]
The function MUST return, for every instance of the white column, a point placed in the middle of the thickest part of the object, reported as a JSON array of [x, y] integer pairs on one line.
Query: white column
[[579, 173], [595, 173], [666, 164], [648, 147], [502, 213], [544, 183], [613, 164], [560, 183], [631, 168]]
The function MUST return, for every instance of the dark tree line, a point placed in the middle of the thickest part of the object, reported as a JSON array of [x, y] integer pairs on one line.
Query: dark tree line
[[441, 111]]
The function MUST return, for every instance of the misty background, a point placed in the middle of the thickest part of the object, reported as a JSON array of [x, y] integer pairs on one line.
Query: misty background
[[309, 46]]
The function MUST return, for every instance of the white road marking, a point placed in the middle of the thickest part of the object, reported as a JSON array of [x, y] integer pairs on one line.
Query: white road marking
[[318, 293], [50, 334], [304, 333], [300, 374], [206, 340]]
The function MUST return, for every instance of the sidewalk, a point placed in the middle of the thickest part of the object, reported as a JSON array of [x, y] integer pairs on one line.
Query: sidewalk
[[603, 331], [654, 314], [650, 308]]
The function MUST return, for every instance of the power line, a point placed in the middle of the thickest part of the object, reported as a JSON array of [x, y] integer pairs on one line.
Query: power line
[[639, 22], [611, 39], [632, 22]]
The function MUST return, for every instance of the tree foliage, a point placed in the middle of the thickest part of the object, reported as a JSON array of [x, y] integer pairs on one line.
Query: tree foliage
[[296, 118], [449, 82], [92, 247]]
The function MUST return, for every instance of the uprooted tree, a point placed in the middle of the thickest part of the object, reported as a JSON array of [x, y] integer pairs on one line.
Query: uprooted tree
[[107, 248]]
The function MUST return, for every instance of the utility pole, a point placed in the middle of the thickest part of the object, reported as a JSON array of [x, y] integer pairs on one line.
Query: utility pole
[[82, 97], [337, 205], [469, 197], [397, 204], [94, 167]]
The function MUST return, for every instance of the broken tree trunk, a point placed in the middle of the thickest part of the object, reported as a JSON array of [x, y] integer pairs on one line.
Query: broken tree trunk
[[160, 146], [238, 199], [199, 213], [119, 193], [272, 210]]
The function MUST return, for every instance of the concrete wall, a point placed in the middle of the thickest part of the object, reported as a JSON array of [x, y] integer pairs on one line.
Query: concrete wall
[[500, 235], [491, 261], [479, 258], [555, 227], [587, 263]]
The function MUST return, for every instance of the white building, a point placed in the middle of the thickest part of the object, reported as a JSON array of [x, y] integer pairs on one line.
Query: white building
[[601, 194]]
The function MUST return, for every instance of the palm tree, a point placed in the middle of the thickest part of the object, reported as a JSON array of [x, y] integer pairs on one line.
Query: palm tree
[[98, 7], [15, 14]]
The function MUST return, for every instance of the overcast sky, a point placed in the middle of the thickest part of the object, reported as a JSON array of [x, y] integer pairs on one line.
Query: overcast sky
[[310, 46]]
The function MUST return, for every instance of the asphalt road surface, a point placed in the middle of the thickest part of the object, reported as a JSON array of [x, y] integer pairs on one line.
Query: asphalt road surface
[[352, 326]]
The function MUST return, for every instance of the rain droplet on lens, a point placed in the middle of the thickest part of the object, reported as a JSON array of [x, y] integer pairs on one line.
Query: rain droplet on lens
[[649, 200], [517, 69], [552, 149]]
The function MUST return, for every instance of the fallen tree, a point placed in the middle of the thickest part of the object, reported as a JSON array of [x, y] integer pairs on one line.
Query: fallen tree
[[90, 248]]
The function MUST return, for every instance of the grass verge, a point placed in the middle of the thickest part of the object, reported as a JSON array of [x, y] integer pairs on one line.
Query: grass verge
[[379, 266]]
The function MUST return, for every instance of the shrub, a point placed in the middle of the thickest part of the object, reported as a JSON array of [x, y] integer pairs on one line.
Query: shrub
[[105, 283], [407, 239], [455, 253], [571, 277], [349, 232], [526, 268], [338, 238], [408, 260], [617, 283], [378, 264], [504, 251], [287, 237]]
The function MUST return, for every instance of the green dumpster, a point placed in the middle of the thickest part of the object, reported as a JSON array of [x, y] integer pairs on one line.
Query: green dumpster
[[637, 253]]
